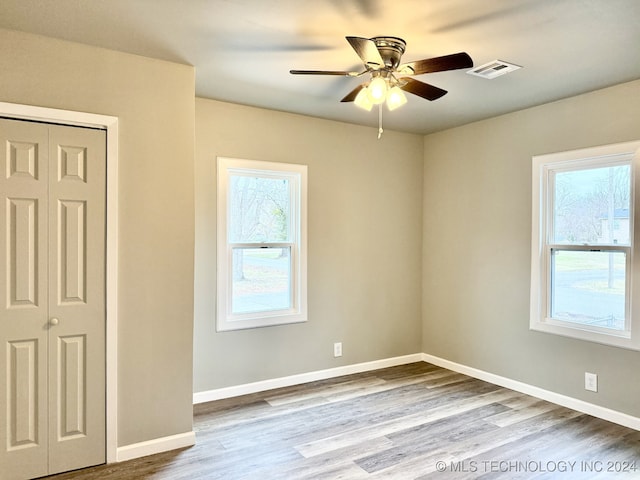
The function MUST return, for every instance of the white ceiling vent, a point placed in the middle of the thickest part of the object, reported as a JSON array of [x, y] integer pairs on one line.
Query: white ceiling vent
[[493, 69]]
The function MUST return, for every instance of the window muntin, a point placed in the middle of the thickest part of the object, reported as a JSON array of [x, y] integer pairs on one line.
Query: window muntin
[[261, 244], [582, 245]]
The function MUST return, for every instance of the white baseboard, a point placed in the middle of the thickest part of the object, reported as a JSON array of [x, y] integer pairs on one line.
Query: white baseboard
[[157, 445], [559, 399], [247, 388]]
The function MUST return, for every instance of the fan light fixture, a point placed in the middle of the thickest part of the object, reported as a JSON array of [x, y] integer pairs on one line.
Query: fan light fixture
[[379, 91]]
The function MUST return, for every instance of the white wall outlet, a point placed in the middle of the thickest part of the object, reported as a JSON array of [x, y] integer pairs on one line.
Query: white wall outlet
[[591, 381], [337, 349]]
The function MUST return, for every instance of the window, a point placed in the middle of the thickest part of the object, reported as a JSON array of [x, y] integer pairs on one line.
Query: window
[[261, 244], [583, 248]]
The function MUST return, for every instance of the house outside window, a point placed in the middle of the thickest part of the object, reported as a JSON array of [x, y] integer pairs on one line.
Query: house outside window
[[261, 278], [619, 233], [583, 245]]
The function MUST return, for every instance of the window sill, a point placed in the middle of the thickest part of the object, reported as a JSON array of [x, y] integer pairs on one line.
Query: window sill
[[621, 339], [243, 323]]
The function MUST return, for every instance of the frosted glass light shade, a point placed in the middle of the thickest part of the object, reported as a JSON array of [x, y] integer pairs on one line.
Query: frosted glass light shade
[[362, 100], [396, 98], [377, 90]]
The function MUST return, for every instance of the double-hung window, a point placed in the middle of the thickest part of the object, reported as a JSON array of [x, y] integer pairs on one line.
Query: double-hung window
[[583, 245], [261, 277]]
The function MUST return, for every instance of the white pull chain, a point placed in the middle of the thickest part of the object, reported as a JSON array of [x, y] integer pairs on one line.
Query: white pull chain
[[380, 130]]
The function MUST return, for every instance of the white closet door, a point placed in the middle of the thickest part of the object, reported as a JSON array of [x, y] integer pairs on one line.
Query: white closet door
[[52, 327], [24, 172], [77, 159]]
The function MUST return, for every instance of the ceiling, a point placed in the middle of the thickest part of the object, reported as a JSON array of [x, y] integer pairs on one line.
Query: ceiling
[[243, 49]]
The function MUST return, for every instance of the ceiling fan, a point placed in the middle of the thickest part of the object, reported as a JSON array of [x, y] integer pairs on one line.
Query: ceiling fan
[[389, 78]]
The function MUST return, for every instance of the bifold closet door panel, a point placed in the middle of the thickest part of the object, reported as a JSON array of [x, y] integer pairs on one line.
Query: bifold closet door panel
[[24, 173]]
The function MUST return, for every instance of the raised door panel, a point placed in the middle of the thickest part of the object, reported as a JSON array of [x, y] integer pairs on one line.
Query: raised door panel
[[76, 291], [22, 252], [22, 395], [23, 299], [72, 387], [71, 252]]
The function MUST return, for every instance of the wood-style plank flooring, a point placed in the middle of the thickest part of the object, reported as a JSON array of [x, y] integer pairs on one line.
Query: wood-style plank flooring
[[414, 421]]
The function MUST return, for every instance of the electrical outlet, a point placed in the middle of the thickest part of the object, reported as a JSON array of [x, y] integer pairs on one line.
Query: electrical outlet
[[591, 381], [337, 349]]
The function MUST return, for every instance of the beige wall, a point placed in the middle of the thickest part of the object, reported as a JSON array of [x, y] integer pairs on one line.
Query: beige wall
[[365, 214], [372, 214], [154, 102], [477, 241]]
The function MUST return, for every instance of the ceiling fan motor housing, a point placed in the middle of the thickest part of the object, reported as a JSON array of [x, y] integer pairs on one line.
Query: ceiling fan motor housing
[[391, 50]]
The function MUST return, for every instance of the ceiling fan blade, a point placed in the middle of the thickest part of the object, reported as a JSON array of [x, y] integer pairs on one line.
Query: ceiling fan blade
[[421, 89], [437, 64], [367, 51], [325, 72], [351, 96]]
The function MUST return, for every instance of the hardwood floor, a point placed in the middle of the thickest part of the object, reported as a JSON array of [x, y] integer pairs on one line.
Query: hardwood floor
[[414, 421]]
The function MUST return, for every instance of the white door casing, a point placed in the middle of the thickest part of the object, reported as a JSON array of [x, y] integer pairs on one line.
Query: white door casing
[[111, 125], [52, 181]]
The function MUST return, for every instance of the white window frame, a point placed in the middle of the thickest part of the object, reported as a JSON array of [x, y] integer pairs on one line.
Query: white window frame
[[541, 245], [297, 176]]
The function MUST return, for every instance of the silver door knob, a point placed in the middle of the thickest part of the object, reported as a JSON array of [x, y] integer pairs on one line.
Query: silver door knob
[[54, 321]]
